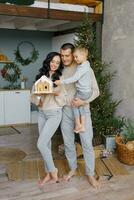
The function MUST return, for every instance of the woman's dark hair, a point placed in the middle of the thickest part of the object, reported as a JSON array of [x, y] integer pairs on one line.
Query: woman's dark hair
[[46, 67]]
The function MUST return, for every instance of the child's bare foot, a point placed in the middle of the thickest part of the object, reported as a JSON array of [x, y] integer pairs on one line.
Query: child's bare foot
[[94, 183], [77, 128], [69, 175], [80, 130], [45, 180], [54, 176]]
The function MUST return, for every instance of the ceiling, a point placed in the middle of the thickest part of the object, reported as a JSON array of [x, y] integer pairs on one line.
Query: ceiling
[[35, 23]]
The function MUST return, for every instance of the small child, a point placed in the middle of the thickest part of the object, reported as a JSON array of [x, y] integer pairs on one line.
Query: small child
[[82, 78]]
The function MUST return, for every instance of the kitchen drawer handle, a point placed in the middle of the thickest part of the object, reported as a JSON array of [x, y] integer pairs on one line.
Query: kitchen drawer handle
[[17, 92]]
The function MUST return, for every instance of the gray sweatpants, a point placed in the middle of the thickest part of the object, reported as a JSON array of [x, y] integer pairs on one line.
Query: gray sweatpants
[[67, 128], [80, 111], [48, 122]]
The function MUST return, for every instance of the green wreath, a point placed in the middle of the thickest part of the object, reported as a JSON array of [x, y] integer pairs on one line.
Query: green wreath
[[11, 77], [33, 54]]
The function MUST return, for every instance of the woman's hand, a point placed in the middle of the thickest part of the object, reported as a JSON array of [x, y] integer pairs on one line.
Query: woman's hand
[[76, 102], [40, 103]]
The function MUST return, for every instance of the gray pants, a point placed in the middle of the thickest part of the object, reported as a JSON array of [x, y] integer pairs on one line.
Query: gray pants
[[67, 128], [48, 122], [80, 111]]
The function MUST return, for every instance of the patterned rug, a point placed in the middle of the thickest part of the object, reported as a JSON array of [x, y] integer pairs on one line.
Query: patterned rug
[[34, 169], [11, 155]]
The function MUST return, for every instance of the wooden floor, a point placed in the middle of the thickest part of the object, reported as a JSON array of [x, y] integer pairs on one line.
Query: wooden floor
[[117, 188]]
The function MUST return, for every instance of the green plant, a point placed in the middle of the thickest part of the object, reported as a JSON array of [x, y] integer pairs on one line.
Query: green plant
[[103, 108], [33, 54], [127, 131]]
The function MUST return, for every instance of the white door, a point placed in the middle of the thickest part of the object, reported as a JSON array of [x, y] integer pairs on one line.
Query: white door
[[17, 107], [58, 41]]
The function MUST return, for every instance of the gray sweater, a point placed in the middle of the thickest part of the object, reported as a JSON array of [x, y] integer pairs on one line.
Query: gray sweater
[[81, 78], [71, 88]]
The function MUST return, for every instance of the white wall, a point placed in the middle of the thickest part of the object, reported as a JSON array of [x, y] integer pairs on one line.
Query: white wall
[[57, 41]]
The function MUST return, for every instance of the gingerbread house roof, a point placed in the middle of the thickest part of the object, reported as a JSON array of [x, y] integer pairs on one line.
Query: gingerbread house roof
[[43, 79]]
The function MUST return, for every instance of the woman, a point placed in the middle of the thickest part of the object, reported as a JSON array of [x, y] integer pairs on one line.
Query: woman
[[50, 114]]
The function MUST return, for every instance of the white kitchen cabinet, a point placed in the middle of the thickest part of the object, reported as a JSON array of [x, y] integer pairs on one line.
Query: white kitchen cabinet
[[16, 106]]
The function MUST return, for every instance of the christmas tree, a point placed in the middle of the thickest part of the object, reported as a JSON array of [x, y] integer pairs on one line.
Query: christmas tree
[[103, 108]]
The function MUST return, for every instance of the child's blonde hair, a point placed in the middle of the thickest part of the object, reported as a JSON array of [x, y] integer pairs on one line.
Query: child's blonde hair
[[82, 50]]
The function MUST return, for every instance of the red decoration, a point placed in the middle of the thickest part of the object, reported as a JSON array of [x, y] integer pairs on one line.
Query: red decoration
[[3, 72]]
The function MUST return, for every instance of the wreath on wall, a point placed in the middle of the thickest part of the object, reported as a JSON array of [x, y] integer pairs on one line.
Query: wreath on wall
[[11, 72], [26, 61]]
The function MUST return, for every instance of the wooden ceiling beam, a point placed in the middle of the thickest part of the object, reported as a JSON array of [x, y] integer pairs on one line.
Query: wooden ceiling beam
[[22, 11], [90, 3], [42, 13]]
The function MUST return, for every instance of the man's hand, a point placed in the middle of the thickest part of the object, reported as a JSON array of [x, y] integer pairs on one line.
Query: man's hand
[[76, 102], [58, 82]]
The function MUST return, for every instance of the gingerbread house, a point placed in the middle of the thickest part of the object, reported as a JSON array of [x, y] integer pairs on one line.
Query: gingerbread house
[[43, 86]]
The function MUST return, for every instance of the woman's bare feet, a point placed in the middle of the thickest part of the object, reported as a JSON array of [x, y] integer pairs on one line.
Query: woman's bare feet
[[54, 176], [94, 183], [69, 175], [45, 180]]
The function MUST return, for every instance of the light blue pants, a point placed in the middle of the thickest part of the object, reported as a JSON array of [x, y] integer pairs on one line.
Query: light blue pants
[[48, 122], [80, 111], [67, 128]]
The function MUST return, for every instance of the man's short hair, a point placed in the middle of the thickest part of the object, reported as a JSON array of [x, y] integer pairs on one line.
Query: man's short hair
[[68, 46]]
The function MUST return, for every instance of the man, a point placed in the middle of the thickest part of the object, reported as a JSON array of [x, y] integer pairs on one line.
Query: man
[[67, 124]]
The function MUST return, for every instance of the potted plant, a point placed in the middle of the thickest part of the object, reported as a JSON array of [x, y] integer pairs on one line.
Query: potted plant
[[115, 124], [125, 143]]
